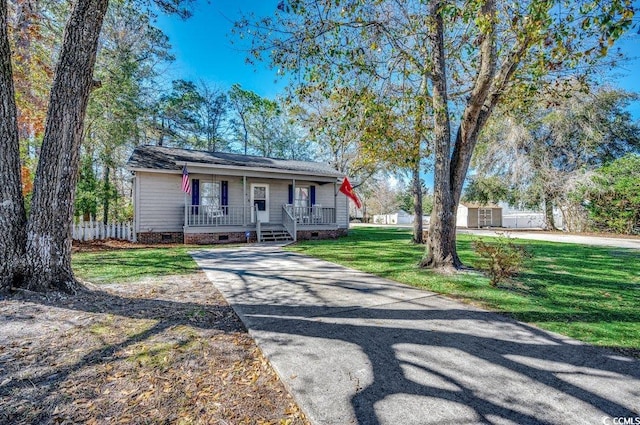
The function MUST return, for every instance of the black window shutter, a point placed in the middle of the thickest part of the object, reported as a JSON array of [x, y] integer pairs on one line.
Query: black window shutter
[[291, 194], [312, 195], [195, 195], [224, 188]]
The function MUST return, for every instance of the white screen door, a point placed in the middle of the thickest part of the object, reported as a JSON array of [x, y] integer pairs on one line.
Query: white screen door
[[260, 199]]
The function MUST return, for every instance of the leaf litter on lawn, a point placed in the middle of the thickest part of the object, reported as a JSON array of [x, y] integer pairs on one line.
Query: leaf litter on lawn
[[167, 350]]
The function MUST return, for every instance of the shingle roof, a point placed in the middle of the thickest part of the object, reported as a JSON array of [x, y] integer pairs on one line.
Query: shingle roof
[[479, 205], [164, 158]]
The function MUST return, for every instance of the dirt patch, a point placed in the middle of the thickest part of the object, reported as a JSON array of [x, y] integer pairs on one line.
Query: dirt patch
[[114, 244], [169, 350]]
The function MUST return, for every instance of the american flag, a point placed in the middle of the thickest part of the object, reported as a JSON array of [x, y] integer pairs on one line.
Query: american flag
[[186, 183]]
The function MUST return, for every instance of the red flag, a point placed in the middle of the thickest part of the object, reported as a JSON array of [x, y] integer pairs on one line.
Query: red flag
[[186, 183], [347, 189]]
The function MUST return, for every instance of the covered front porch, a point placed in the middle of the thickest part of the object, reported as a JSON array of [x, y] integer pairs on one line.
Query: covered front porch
[[203, 197], [252, 207], [203, 218]]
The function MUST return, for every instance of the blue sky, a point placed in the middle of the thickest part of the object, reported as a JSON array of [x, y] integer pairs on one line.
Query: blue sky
[[204, 51]]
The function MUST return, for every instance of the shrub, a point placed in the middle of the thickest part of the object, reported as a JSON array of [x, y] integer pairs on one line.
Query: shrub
[[613, 196], [500, 258]]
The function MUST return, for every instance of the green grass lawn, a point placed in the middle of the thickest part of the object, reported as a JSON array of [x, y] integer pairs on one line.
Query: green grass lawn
[[589, 293], [129, 265]]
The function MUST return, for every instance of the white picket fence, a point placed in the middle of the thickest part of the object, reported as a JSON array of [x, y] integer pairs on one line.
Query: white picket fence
[[91, 231]]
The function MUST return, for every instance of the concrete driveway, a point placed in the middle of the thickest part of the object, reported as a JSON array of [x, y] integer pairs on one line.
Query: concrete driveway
[[357, 349]]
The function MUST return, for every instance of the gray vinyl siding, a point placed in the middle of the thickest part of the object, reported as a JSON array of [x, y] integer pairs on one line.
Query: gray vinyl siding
[[234, 187], [324, 195], [278, 195], [161, 200], [342, 210]]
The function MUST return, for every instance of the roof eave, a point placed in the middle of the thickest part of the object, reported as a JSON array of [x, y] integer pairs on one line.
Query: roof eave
[[236, 168], [257, 169]]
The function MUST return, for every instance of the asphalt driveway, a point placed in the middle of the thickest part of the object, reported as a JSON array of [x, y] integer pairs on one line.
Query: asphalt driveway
[[358, 349], [617, 242], [534, 234]]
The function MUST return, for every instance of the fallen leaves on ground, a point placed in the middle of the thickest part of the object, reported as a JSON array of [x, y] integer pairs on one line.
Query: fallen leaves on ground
[[170, 351]]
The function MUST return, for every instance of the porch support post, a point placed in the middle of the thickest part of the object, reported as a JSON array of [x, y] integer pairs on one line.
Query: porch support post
[[244, 200], [136, 206], [293, 202], [335, 202], [186, 210]]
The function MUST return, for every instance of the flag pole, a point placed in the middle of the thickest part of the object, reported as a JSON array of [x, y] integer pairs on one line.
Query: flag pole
[[184, 191], [186, 222]]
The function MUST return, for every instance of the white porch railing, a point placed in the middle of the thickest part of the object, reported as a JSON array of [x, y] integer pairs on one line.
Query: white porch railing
[[90, 231], [289, 222], [206, 215], [311, 216]]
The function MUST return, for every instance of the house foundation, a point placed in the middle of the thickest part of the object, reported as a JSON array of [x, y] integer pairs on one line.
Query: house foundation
[[304, 235], [218, 238], [153, 238]]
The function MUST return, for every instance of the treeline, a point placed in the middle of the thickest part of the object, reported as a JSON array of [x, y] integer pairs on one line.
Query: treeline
[[133, 104], [572, 150], [537, 152]]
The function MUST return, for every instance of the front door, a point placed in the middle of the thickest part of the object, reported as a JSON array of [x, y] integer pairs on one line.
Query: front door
[[260, 200]]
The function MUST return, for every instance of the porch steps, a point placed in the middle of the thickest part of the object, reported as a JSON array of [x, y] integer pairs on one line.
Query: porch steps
[[275, 235]]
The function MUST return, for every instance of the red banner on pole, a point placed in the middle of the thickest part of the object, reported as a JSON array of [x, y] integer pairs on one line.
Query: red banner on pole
[[347, 189]]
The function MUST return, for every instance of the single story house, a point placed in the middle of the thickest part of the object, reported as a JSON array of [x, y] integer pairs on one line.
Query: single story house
[[233, 198], [476, 215]]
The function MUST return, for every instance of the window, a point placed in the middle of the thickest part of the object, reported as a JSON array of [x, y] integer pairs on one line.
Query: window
[[302, 197], [210, 195], [260, 197]]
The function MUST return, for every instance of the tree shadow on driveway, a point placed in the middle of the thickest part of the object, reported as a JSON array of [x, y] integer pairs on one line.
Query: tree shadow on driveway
[[358, 349]]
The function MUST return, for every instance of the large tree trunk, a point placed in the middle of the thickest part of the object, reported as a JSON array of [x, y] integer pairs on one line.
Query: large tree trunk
[[48, 245], [441, 243], [451, 166], [417, 205], [12, 213], [550, 223]]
